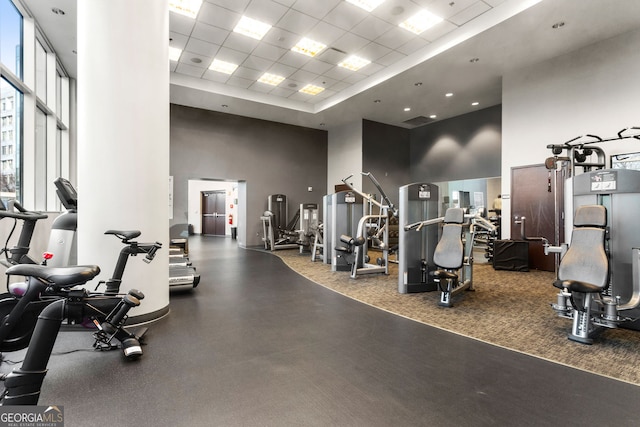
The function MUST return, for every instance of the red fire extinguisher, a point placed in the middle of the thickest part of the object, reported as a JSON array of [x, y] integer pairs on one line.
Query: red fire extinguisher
[[230, 219]]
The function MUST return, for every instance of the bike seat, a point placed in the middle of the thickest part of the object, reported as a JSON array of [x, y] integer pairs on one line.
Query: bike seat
[[57, 276], [124, 234]]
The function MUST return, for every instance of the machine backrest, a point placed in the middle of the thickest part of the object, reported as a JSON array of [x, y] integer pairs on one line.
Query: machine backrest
[[586, 259], [449, 252]]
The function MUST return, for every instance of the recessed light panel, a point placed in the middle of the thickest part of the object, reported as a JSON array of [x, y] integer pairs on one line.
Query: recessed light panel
[[174, 53], [308, 47], [311, 89], [188, 8], [222, 66], [271, 79], [367, 5], [252, 28], [354, 63], [420, 22]]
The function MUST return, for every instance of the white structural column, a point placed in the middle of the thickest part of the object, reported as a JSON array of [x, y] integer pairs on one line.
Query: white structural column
[[123, 140]]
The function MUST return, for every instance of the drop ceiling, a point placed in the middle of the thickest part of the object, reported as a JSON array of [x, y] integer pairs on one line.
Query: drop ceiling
[[465, 55]]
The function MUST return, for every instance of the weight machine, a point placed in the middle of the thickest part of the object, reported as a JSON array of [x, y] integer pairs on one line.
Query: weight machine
[[617, 302]]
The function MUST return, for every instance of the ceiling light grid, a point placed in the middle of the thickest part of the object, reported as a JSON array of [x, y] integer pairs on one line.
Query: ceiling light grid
[[252, 28], [223, 66], [188, 8]]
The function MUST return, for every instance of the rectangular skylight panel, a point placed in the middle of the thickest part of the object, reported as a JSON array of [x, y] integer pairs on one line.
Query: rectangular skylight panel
[[354, 63], [311, 89], [222, 66], [421, 22], [188, 8], [308, 47], [174, 53], [367, 5], [271, 79], [252, 28]]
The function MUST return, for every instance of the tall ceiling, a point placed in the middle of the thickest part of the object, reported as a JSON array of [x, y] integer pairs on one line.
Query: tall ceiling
[[466, 54]]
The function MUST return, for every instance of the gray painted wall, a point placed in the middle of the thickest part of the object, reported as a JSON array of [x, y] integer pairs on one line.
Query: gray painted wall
[[463, 147], [385, 153], [272, 158]]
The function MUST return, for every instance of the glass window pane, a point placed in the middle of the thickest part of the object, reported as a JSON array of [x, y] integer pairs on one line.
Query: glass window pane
[[41, 72], [10, 129], [11, 37], [41, 160]]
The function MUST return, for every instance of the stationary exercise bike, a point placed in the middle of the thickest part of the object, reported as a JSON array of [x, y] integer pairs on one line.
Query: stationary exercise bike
[[22, 385], [24, 301]]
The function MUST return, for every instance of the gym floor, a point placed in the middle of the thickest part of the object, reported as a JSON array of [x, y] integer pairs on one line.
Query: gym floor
[[258, 345]]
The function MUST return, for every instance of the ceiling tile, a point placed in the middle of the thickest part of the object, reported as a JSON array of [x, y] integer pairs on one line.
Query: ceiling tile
[[201, 47], [396, 11], [218, 16], [339, 86], [283, 92], [247, 73], [281, 70], [268, 51], [325, 33], [192, 59], [180, 24], [257, 63], [209, 33], [317, 8], [346, 16], [327, 93], [338, 73], [261, 87], [391, 58], [189, 70], [317, 67], [370, 69], [282, 38], [230, 55], [332, 56], [438, 31], [234, 5], [292, 84], [294, 59], [324, 81], [469, 13], [373, 52], [239, 82], [354, 78], [371, 28], [177, 40], [241, 43], [215, 76], [350, 43], [494, 3], [395, 38], [299, 96], [266, 11], [172, 66], [447, 8], [296, 22], [413, 45], [303, 76]]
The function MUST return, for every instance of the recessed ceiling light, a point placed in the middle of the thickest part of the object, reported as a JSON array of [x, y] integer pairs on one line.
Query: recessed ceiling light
[[448, 95], [420, 22], [433, 116], [188, 8], [311, 89], [557, 25], [473, 60], [252, 28], [475, 103], [418, 84], [271, 79], [196, 60], [223, 66], [322, 124], [308, 47], [174, 53], [292, 85], [354, 63], [57, 11], [224, 106], [377, 101], [367, 5], [407, 109]]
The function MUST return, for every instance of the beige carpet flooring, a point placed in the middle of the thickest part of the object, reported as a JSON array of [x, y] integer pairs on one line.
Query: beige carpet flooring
[[509, 309]]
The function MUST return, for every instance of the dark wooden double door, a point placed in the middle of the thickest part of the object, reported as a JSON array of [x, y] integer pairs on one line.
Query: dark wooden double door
[[213, 212]]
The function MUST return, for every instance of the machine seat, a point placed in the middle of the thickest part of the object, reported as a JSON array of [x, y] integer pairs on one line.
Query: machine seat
[[449, 252], [59, 277]]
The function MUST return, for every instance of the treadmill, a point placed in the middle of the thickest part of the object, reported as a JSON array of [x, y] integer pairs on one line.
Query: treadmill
[[182, 275]]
